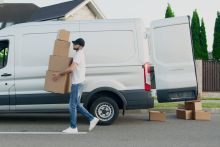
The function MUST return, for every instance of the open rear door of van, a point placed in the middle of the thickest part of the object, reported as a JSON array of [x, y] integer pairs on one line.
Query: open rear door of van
[[172, 55]]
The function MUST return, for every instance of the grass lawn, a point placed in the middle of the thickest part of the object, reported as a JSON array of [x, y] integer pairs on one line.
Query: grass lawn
[[174, 105], [211, 105], [217, 98], [210, 98], [166, 105]]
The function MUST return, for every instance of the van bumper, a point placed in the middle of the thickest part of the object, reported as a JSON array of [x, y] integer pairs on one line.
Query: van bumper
[[138, 99]]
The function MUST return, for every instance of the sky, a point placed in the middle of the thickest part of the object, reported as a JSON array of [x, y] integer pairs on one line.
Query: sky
[[150, 10]]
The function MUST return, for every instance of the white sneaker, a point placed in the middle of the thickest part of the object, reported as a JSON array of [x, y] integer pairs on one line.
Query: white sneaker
[[70, 130], [93, 123]]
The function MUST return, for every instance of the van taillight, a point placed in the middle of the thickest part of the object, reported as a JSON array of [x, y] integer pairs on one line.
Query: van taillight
[[147, 81]]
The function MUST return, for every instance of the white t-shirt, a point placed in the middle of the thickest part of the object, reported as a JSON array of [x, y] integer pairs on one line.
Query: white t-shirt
[[80, 71]]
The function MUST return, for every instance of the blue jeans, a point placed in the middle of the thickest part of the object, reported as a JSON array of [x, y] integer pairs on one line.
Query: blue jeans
[[74, 105]]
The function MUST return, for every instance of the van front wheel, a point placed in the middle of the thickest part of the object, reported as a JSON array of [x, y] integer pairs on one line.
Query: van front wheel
[[105, 109]]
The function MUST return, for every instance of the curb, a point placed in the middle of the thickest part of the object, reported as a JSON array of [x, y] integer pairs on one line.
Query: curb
[[169, 110]]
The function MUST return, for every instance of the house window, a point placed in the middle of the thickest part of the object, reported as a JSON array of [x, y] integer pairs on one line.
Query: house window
[[3, 53]]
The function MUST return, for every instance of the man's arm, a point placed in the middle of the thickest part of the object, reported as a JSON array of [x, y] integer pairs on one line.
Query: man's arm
[[70, 69]]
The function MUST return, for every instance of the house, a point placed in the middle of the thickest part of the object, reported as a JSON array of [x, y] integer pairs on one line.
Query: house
[[12, 13], [69, 11]]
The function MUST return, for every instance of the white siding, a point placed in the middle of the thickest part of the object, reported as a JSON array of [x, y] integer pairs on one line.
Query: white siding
[[83, 14]]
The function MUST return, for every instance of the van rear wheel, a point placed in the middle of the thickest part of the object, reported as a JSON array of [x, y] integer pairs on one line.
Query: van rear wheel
[[105, 109]]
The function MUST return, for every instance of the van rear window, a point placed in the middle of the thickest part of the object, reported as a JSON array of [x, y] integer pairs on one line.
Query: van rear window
[[3, 53]]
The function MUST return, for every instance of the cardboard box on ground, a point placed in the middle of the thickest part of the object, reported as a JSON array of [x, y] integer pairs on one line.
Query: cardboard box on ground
[[59, 61], [201, 115], [184, 114], [157, 116], [193, 105], [192, 110]]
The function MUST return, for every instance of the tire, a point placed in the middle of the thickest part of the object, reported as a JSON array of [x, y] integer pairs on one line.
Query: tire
[[105, 109]]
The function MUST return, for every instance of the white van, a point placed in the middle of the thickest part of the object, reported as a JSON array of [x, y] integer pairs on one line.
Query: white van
[[117, 70]]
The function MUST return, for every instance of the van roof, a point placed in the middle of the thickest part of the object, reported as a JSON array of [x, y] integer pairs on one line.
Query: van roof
[[10, 29]]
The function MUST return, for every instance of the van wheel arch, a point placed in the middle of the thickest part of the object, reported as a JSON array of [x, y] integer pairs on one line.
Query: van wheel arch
[[107, 91]]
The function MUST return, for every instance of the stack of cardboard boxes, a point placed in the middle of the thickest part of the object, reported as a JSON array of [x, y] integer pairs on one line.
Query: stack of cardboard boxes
[[58, 62], [192, 110]]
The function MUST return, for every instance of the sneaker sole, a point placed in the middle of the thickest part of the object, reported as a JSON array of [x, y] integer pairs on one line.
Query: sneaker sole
[[94, 126]]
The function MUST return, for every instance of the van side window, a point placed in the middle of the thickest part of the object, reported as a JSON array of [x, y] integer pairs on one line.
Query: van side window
[[3, 53]]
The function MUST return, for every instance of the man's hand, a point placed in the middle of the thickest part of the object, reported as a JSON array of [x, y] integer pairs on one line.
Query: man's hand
[[56, 76], [69, 70]]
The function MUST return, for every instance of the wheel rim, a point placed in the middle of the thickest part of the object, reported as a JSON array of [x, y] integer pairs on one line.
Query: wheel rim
[[104, 111]]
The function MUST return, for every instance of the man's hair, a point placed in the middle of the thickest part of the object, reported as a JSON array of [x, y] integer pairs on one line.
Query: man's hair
[[79, 41]]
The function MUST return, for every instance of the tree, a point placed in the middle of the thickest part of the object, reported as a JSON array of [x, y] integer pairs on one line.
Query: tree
[[169, 12], [216, 43], [195, 27], [203, 42]]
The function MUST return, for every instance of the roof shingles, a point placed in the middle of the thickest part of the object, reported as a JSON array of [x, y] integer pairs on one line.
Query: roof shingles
[[55, 11]]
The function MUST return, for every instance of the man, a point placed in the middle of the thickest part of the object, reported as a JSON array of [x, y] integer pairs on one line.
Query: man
[[77, 68]]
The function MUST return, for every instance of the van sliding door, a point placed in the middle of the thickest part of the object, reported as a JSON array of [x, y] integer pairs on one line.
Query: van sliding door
[[172, 50], [7, 86]]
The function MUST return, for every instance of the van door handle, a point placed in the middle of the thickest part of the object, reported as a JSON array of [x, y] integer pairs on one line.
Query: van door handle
[[6, 75]]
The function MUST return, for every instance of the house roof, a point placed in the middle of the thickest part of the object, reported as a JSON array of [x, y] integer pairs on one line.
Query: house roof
[[16, 12], [55, 11]]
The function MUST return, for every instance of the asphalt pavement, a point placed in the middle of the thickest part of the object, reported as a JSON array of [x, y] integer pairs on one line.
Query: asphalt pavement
[[131, 130]]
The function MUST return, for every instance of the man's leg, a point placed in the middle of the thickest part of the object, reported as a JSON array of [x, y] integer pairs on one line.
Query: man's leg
[[81, 109], [73, 105]]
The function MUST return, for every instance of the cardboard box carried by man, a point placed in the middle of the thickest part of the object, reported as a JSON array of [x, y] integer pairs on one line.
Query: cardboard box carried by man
[[59, 61]]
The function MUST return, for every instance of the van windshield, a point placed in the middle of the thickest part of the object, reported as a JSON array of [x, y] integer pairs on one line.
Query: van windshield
[[3, 53]]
